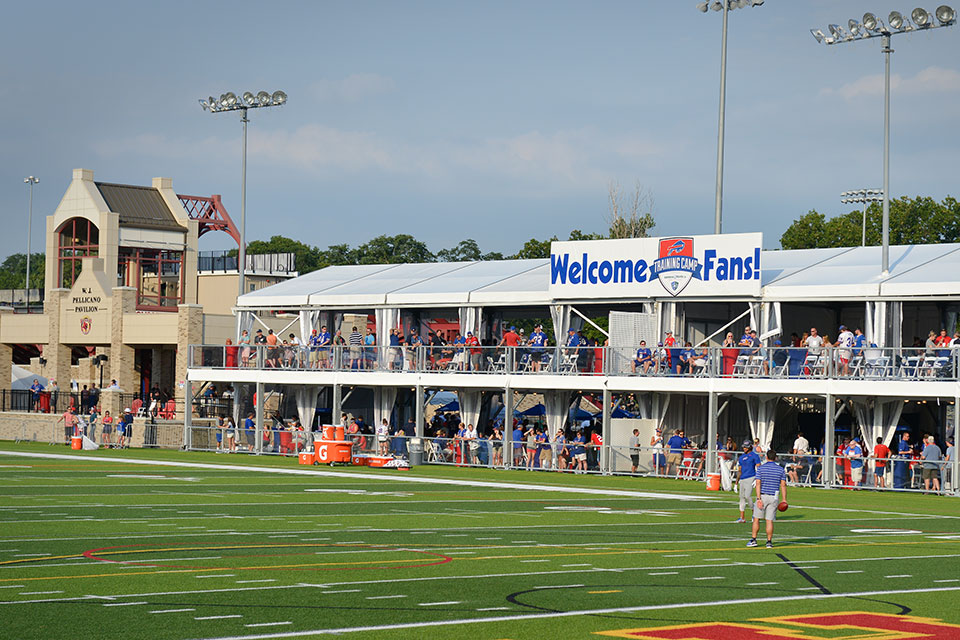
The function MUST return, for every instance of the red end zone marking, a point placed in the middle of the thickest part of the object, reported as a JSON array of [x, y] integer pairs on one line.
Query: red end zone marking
[[91, 554]]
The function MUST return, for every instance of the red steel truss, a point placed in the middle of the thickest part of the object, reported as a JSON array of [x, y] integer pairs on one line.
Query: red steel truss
[[211, 214]]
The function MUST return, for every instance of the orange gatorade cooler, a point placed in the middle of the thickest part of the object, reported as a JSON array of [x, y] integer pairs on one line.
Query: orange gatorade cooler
[[339, 433], [306, 457], [76, 442], [359, 461], [713, 482], [329, 432]]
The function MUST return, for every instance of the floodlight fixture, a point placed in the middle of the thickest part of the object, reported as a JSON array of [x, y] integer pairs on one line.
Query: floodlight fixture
[[717, 5], [946, 16], [874, 27], [702, 7], [229, 102]]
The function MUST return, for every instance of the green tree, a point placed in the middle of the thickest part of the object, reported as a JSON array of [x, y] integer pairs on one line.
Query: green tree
[[13, 271], [534, 248], [920, 220], [339, 254], [466, 251], [397, 249]]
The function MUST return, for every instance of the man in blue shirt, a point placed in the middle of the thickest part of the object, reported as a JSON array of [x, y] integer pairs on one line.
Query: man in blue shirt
[[677, 442], [517, 444], [771, 481], [323, 341], [35, 389], [859, 342], [644, 358], [537, 344], [250, 428], [747, 465], [854, 454]]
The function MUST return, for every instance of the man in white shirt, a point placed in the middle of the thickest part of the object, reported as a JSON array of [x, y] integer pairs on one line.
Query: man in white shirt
[[845, 342], [801, 445], [814, 342]]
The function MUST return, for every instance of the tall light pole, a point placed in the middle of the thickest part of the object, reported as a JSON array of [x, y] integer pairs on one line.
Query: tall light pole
[[870, 26], [725, 6], [31, 181], [865, 196], [229, 102]]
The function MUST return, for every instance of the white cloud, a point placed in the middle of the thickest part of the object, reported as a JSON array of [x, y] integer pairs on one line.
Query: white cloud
[[927, 81], [352, 88], [555, 161]]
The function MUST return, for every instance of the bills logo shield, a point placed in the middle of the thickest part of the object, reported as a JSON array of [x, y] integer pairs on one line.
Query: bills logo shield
[[85, 325], [675, 265]]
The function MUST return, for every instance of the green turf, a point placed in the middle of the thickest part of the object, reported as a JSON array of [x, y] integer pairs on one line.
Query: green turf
[[167, 545]]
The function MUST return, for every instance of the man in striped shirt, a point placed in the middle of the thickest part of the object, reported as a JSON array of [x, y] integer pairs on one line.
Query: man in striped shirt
[[771, 480]]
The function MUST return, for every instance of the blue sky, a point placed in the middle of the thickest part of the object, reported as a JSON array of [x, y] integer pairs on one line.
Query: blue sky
[[498, 121]]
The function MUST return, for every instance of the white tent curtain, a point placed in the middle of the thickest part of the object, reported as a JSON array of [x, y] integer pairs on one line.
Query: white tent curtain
[[557, 409], [244, 322], [653, 406], [306, 397], [309, 320], [762, 412], [470, 320], [878, 418], [771, 326], [876, 323], [383, 400], [560, 314], [386, 319], [469, 400], [754, 314]]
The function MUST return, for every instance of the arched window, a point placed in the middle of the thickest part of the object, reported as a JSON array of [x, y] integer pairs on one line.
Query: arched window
[[78, 238]]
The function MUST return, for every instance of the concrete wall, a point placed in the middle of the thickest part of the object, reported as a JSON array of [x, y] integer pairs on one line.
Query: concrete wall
[[44, 428]]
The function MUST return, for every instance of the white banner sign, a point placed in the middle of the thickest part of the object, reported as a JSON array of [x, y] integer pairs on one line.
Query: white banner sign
[[717, 265]]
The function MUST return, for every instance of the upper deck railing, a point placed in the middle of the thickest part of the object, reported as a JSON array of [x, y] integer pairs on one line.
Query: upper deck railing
[[904, 364]]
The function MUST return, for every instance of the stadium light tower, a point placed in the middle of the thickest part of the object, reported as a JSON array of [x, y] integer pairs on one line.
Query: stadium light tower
[[229, 102], [725, 6], [870, 26], [31, 181], [864, 196]]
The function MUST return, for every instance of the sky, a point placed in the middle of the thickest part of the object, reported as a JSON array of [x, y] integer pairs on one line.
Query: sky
[[498, 121]]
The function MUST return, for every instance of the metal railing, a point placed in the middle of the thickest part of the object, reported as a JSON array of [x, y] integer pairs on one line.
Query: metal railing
[[715, 362], [23, 300]]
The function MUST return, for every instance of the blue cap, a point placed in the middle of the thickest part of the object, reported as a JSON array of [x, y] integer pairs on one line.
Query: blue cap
[[512, 328]]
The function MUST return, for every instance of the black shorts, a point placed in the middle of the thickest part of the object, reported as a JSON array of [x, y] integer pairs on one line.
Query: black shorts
[[536, 356], [635, 459]]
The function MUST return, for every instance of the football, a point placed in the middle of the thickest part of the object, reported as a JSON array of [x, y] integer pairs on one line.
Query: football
[[782, 506]]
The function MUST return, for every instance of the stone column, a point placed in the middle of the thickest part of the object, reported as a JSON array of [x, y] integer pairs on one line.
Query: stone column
[[189, 331], [57, 354], [122, 357]]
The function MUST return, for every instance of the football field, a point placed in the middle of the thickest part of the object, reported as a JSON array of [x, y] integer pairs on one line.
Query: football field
[[163, 544]]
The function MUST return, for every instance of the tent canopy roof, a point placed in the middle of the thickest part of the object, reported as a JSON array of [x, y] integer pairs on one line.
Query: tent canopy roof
[[805, 274]]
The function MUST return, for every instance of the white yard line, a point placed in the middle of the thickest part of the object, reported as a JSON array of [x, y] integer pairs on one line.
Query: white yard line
[[253, 581], [123, 604], [439, 604], [568, 614], [219, 575], [399, 595], [172, 610], [236, 615]]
